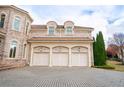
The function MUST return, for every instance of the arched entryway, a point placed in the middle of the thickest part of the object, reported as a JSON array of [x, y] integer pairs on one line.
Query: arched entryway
[[41, 56], [79, 56], [60, 56]]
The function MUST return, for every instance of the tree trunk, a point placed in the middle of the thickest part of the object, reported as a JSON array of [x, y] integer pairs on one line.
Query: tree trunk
[[122, 55]]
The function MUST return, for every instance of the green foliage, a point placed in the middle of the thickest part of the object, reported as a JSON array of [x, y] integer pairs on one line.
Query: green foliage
[[105, 67], [99, 50]]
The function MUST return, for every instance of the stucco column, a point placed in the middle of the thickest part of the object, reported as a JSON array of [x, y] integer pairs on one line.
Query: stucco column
[[92, 63], [70, 57], [31, 61], [89, 56], [50, 60], [28, 53]]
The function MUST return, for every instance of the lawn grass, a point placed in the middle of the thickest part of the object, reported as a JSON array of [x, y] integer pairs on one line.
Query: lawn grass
[[117, 65], [112, 65]]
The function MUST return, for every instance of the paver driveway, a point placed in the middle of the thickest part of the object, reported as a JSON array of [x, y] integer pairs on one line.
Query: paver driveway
[[60, 77]]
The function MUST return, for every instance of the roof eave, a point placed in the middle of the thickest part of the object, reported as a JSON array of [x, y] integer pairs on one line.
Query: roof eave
[[61, 41]]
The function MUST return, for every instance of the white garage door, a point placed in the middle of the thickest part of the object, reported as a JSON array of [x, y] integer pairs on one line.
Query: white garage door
[[60, 56], [41, 56], [79, 56]]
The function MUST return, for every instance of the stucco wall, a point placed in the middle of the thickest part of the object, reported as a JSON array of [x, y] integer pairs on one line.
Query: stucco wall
[[11, 35]]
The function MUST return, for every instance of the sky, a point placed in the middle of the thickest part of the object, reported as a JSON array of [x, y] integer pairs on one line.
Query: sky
[[108, 19]]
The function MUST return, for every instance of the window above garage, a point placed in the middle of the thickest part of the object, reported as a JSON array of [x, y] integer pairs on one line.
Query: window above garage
[[51, 30], [69, 30], [51, 27], [69, 26]]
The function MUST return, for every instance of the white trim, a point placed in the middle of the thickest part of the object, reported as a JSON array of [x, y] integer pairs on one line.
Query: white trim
[[70, 61], [50, 59]]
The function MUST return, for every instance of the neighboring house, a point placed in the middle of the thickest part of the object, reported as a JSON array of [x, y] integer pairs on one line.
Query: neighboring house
[[43, 45]]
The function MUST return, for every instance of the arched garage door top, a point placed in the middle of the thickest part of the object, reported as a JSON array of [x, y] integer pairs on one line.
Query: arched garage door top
[[60, 49], [41, 49], [79, 56], [40, 56], [79, 49]]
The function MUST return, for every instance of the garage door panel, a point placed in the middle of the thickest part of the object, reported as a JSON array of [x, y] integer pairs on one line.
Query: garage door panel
[[75, 59], [79, 56], [84, 59], [60, 59], [79, 59], [60, 56], [40, 56], [41, 59]]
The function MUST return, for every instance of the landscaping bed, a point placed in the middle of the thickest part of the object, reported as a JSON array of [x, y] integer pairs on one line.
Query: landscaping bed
[[112, 65], [118, 65], [105, 67]]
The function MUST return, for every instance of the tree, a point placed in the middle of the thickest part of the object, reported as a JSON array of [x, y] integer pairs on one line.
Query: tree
[[95, 51], [99, 50], [118, 40], [112, 51], [102, 48]]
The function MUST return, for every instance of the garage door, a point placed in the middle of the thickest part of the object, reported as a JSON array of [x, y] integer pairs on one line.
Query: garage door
[[41, 56], [60, 56], [79, 56]]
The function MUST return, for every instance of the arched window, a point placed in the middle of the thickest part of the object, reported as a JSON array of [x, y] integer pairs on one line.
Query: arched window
[[51, 27], [13, 47], [16, 24], [2, 20]]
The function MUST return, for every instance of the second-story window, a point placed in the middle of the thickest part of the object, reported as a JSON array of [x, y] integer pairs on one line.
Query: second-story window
[[51, 31], [2, 20], [16, 24], [69, 30]]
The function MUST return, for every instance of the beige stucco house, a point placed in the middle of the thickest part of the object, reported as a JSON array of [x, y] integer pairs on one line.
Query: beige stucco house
[[42, 45]]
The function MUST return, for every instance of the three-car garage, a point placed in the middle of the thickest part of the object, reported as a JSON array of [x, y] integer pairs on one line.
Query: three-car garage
[[60, 56]]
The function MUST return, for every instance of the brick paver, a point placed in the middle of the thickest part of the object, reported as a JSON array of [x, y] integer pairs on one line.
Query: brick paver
[[61, 77]]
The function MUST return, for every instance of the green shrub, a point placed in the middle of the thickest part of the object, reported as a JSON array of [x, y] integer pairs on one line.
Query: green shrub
[[105, 67]]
